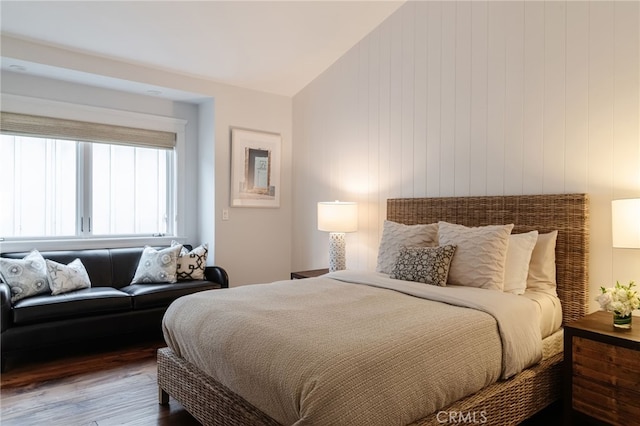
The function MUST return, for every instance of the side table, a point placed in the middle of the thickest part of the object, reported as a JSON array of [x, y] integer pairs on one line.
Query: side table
[[601, 371], [308, 274]]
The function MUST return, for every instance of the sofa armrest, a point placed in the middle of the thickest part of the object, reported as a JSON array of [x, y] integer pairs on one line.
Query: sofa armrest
[[5, 306], [218, 275]]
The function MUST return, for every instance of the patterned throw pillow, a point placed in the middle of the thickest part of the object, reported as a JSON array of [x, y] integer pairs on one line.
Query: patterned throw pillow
[[26, 277], [66, 278], [157, 266], [429, 265], [191, 264]]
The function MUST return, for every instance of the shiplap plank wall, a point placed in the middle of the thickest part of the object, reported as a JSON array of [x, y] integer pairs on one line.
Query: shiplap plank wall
[[474, 98]]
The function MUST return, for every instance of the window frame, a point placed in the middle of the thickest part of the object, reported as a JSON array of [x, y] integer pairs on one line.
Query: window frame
[[64, 110]]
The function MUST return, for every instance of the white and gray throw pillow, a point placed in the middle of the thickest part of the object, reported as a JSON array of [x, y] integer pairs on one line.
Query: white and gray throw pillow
[[26, 277], [157, 266], [66, 278], [480, 254], [429, 265], [397, 235], [191, 264]]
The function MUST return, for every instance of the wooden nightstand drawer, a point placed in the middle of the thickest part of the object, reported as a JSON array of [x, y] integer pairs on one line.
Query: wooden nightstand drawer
[[605, 381], [602, 372], [613, 365]]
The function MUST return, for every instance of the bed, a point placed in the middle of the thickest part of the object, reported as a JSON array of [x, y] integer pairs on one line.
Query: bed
[[509, 400]]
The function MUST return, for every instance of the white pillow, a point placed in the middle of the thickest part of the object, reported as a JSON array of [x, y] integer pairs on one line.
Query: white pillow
[[26, 277], [66, 278], [191, 264], [157, 266], [397, 235], [542, 267], [516, 267], [480, 254]]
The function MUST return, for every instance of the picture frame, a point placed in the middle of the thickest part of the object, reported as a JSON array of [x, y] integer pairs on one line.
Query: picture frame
[[255, 168]]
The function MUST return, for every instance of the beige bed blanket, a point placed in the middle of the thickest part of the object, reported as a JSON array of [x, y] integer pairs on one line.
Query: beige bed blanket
[[325, 351]]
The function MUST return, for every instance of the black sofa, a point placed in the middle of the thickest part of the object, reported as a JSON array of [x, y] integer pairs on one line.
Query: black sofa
[[110, 308]]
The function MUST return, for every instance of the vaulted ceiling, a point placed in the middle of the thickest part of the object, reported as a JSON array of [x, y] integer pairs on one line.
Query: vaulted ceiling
[[271, 46]]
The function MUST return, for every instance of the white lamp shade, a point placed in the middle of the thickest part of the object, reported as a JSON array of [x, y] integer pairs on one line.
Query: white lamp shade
[[337, 216], [625, 221]]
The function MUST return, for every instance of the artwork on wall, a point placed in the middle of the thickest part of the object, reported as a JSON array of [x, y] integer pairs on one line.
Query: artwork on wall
[[255, 168]]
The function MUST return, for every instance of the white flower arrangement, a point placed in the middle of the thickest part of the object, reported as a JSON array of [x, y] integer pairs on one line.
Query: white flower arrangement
[[621, 299]]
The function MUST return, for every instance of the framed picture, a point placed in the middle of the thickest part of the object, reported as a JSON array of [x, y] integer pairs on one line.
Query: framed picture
[[255, 168]]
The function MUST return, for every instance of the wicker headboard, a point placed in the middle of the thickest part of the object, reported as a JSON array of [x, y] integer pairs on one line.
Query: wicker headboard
[[567, 213]]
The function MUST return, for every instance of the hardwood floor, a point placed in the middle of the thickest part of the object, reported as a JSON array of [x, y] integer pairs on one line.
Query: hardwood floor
[[116, 387], [106, 387]]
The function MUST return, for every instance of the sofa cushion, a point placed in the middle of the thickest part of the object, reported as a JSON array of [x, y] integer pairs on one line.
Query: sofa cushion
[[156, 295], [125, 262], [80, 303]]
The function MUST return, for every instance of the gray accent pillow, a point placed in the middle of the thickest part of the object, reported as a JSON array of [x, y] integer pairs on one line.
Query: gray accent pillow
[[26, 277], [397, 235], [429, 265], [157, 266], [66, 278]]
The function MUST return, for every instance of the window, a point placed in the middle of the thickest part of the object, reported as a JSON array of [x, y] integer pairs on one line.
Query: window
[[105, 181], [129, 190], [39, 187]]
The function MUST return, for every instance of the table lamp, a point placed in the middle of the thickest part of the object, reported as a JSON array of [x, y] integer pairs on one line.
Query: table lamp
[[625, 221], [337, 217]]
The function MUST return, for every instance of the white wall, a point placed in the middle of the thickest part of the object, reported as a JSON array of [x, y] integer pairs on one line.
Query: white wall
[[475, 98], [255, 244]]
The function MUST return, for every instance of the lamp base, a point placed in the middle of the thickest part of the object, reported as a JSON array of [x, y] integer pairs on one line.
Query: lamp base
[[337, 257]]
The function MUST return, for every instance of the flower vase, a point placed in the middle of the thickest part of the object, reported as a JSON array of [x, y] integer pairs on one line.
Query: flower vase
[[622, 321]]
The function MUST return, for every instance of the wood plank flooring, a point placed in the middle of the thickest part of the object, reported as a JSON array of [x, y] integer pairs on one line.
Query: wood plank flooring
[[116, 387], [107, 387]]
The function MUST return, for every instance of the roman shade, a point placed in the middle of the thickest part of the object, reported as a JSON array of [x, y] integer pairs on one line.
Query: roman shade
[[58, 128]]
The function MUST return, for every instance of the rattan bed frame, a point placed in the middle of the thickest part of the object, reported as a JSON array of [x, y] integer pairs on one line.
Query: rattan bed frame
[[503, 403]]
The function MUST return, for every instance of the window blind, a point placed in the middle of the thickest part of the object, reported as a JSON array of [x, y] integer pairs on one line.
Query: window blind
[[59, 128]]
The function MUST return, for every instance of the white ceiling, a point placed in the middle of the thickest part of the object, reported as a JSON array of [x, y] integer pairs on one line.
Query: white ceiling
[[271, 46]]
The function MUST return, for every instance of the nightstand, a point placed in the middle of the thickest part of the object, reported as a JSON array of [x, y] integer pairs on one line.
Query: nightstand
[[308, 274], [601, 371]]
